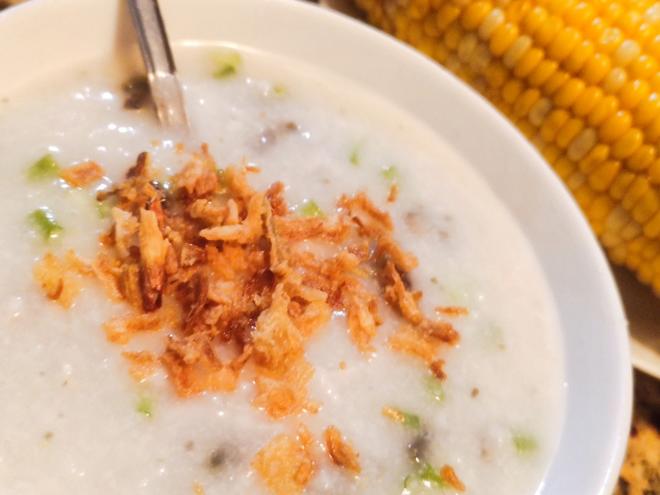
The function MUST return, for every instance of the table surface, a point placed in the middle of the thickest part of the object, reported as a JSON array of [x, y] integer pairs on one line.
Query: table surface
[[640, 474]]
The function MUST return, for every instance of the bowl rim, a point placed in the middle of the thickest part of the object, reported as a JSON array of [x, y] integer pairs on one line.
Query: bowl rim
[[336, 25]]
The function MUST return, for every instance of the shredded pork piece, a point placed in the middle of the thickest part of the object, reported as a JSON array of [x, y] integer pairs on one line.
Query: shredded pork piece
[[83, 174], [340, 451]]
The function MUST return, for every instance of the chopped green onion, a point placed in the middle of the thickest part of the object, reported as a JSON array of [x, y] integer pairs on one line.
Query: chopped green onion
[[524, 443], [390, 173], [145, 407], [44, 168], [279, 90], [44, 221], [309, 208], [355, 157], [435, 388], [103, 209], [405, 418], [427, 477], [227, 64], [494, 337]]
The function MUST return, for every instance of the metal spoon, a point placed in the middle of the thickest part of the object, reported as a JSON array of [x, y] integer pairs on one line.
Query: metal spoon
[[166, 90]]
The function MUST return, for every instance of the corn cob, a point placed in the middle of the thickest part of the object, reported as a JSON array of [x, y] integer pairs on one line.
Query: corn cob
[[581, 79]]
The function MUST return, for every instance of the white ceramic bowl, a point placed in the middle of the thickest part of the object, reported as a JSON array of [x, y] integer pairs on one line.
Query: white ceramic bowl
[[44, 36]]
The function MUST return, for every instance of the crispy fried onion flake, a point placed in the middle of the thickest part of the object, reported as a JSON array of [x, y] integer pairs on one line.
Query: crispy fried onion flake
[[236, 282]]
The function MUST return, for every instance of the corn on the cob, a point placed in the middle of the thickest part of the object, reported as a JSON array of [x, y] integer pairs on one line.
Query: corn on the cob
[[581, 79]]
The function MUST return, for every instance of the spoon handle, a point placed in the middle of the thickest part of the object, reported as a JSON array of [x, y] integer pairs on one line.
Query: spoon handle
[[159, 62]]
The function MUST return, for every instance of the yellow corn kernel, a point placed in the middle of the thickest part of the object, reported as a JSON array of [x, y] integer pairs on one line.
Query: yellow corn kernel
[[584, 195], [481, 59], [633, 93], [440, 52], [525, 102], [453, 36], [621, 184], [627, 51], [548, 31], [502, 38], [551, 153], [615, 126], [517, 49], [646, 207], [534, 19], [601, 178], [556, 119], [542, 72], [430, 27], [446, 15], [630, 232], [569, 93], [511, 90], [556, 81], [644, 67], [528, 62], [564, 168], [579, 15], [587, 100], [652, 227], [494, 19], [647, 110], [578, 57], [474, 14], [594, 30], [597, 155], [614, 80], [610, 39], [539, 111], [637, 189], [562, 45], [601, 208], [496, 75], [467, 46], [604, 109], [582, 144], [618, 254], [575, 180], [627, 144], [642, 158], [596, 68], [652, 131], [568, 132]]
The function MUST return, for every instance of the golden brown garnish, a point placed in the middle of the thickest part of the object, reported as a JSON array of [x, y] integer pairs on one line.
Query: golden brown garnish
[[340, 451], [437, 367], [286, 464], [231, 278], [452, 310], [449, 475], [83, 174], [58, 278], [141, 364], [393, 193]]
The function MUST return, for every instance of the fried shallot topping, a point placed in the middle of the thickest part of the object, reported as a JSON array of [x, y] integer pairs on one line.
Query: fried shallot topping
[[340, 451], [286, 464], [236, 282]]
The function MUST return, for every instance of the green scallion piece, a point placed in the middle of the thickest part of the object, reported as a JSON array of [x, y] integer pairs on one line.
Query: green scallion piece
[[524, 443], [435, 388], [145, 407], [279, 90], [309, 208], [45, 223], [390, 173], [227, 64], [45, 167], [426, 477], [354, 156]]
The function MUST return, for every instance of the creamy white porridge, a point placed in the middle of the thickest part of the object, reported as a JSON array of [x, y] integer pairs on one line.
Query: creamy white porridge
[[73, 420]]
